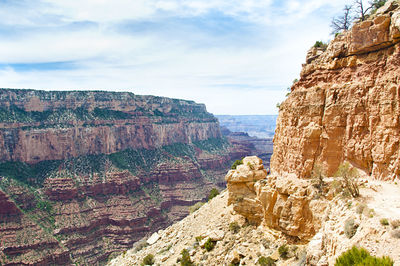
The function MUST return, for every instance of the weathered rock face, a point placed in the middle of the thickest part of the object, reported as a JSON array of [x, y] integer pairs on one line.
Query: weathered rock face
[[284, 203], [93, 172], [346, 105]]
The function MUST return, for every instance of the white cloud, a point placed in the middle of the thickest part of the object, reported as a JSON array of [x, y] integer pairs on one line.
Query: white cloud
[[236, 56]]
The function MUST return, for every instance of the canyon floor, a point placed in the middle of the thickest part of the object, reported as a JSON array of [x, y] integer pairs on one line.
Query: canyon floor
[[216, 220]]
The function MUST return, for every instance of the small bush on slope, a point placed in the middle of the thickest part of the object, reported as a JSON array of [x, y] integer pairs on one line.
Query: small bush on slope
[[148, 260], [236, 163], [266, 261], [361, 257], [349, 175], [350, 228], [185, 260], [213, 193]]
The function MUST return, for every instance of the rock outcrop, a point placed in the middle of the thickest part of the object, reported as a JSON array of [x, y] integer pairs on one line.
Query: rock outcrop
[[345, 107], [284, 203]]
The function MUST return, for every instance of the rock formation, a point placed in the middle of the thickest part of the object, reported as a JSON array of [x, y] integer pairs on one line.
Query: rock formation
[[345, 107], [284, 203]]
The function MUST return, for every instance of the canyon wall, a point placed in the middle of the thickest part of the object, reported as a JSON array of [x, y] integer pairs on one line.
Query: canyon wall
[[84, 175], [345, 107]]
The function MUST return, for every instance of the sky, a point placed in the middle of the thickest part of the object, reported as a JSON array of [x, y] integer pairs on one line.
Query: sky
[[235, 56]]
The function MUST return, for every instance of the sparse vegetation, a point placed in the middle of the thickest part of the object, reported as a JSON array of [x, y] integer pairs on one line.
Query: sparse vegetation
[[234, 227], [148, 260], [349, 177], [350, 228], [360, 256], [236, 163], [395, 223], [199, 238], [210, 244], [384, 222], [185, 260], [317, 177], [320, 44], [195, 207], [213, 193], [283, 251], [266, 261]]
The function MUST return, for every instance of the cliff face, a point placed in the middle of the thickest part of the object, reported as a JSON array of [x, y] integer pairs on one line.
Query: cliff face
[[346, 105], [37, 125], [83, 175]]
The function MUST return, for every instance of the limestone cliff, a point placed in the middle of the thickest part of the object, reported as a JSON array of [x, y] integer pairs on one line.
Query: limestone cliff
[[345, 107]]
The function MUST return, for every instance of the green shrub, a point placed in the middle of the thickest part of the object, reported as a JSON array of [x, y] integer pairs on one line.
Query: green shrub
[[266, 261], [360, 256], [350, 228], [360, 208], [283, 251], [236, 163], [384, 221], [199, 238], [213, 193], [148, 260], [209, 245], [185, 260], [320, 44], [234, 227], [195, 207]]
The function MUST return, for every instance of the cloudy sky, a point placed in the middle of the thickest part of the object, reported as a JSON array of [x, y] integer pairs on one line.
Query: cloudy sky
[[236, 56]]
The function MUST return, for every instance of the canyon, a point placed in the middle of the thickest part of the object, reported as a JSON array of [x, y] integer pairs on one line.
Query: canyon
[[85, 174], [334, 181]]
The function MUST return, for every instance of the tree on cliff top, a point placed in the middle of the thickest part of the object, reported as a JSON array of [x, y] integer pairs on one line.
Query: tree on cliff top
[[342, 23]]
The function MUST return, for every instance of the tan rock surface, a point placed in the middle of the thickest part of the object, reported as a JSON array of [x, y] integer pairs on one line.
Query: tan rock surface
[[346, 105]]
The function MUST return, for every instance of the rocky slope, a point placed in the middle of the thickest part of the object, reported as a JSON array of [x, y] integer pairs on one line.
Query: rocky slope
[[345, 107], [83, 175], [286, 220]]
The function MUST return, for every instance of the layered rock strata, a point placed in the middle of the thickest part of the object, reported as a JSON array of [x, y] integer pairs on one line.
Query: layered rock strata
[[92, 172], [345, 107]]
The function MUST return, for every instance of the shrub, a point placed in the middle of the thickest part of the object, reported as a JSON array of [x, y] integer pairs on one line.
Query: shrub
[[185, 260], [283, 251], [209, 245], [199, 238], [320, 44], [349, 182], [236, 163], [395, 223], [384, 221], [148, 260], [360, 256], [234, 227], [266, 261], [350, 228], [317, 177], [213, 193], [195, 207]]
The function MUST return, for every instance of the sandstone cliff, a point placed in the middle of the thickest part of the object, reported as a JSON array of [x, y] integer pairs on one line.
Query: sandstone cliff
[[345, 107], [90, 173]]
